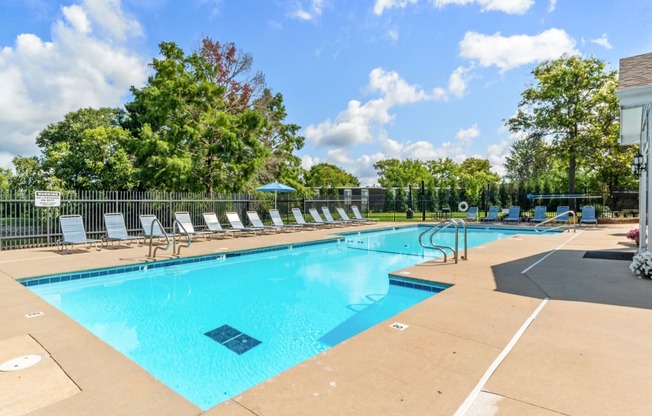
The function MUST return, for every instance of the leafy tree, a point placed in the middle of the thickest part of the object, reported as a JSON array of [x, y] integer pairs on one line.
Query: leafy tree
[[83, 151], [281, 140], [325, 175], [444, 172], [475, 175], [527, 161], [186, 138], [28, 174], [388, 203], [398, 173], [571, 105], [399, 200], [5, 178], [233, 72]]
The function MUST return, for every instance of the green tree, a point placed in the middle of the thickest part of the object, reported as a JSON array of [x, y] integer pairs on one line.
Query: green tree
[[84, 151], [29, 174], [186, 138], [399, 200], [388, 203], [398, 173], [5, 178], [444, 172], [475, 175], [281, 140], [325, 176], [571, 105]]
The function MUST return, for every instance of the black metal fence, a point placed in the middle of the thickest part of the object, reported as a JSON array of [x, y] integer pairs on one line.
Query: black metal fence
[[23, 225]]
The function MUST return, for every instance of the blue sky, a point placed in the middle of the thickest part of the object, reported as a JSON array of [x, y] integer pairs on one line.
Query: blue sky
[[366, 79]]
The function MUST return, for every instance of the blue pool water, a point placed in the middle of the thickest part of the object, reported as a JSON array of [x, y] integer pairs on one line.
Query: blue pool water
[[211, 329]]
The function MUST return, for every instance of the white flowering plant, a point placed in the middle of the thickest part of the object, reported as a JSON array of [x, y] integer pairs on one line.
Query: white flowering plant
[[642, 265]]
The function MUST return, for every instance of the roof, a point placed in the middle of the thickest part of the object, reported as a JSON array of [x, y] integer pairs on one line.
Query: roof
[[635, 72]]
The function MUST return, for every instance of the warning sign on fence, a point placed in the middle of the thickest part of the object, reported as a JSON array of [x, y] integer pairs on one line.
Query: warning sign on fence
[[47, 198]]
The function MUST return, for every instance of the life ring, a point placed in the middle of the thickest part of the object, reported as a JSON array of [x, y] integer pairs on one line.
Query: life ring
[[463, 206]]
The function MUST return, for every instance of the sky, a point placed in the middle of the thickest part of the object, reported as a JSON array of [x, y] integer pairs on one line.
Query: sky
[[366, 80]]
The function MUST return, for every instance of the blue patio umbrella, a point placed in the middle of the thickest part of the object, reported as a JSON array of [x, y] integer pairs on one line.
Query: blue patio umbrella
[[275, 187]]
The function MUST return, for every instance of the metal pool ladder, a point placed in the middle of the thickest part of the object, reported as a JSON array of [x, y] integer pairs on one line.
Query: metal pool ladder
[[568, 214], [175, 252], [439, 227]]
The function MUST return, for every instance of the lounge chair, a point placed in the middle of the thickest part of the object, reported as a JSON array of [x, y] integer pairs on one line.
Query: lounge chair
[[278, 221], [588, 215], [540, 212], [256, 222], [116, 230], [331, 220], [514, 214], [214, 226], [186, 228], [236, 224], [472, 214], [72, 228], [298, 217], [492, 215], [152, 228], [561, 216], [358, 216], [345, 217], [319, 220]]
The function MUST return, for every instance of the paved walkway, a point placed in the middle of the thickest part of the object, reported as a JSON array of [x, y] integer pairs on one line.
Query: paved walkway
[[530, 327]]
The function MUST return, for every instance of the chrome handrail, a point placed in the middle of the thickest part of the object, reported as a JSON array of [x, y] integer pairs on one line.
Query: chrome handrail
[[151, 232], [568, 213], [442, 225]]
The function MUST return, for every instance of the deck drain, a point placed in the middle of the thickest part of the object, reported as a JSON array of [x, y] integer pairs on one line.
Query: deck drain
[[34, 314], [20, 363], [399, 326]]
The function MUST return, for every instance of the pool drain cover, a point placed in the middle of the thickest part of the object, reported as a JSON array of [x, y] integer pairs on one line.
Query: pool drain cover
[[20, 363], [231, 338]]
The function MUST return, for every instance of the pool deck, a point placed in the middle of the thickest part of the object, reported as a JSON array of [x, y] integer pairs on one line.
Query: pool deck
[[529, 327]]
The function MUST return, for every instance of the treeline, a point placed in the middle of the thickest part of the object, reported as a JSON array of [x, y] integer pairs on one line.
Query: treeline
[[207, 122]]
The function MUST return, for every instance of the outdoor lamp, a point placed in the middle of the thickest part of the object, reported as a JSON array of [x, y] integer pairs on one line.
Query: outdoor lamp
[[637, 165]]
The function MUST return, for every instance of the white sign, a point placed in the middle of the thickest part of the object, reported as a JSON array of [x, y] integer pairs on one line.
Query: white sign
[[47, 198]]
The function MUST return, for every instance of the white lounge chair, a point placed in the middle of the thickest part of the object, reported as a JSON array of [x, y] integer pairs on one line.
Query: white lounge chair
[[345, 217], [186, 228], [256, 222], [298, 217], [214, 226], [152, 228], [72, 228], [319, 220], [116, 230], [358, 216], [278, 221], [331, 220], [236, 224]]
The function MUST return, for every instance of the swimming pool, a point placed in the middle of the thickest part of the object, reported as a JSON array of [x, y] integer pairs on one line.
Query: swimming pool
[[214, 326]]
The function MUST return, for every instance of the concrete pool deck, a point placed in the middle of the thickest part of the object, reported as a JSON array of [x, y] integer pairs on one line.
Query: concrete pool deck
[[573, 334]]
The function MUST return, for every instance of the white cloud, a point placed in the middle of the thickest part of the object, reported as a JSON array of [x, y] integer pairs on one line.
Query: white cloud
[[109, 16], [497, 155], [311, 12], [358, 123], [603, 41], [458, 81], [552, 4], [507, 52], [41, 80], [308, 161], [381, 5], [467, 135], [506, 6], [337, 156], [393, 35]]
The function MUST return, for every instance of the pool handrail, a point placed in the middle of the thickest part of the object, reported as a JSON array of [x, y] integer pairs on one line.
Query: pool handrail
[[553, 219]]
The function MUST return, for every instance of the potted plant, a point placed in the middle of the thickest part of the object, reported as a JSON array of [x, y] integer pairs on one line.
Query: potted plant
[[642, 265], [633, 235]]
